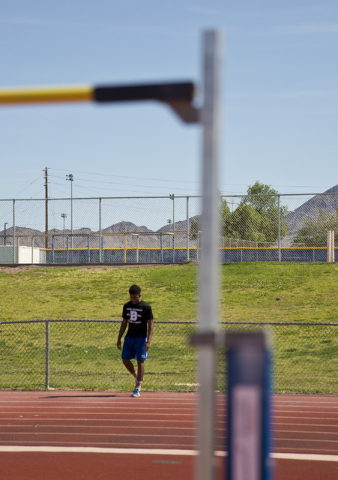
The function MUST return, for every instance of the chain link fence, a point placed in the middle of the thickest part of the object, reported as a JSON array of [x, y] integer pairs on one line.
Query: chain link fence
[[166, 229], [82, 354]]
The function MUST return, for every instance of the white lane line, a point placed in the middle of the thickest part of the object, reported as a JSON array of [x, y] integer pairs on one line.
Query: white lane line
[[111, 414], [301, 424], [158, 451], [109, 401], [110, 422], [132, 451], [305, 457], [38, 424], [110, 407], [37, 433], [307, 432]]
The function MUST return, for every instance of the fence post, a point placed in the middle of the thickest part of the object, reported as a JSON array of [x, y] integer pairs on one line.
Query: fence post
[[279, 250], [188, 257], [173, 248], [137, 248], [161, 237], [125, 246], [13, 231], [100, 232], [88, 248], [47, 356], [330, 246]]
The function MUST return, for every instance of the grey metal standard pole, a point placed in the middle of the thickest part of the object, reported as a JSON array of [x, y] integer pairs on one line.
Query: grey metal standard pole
[[14, 256], [47, 356], [188, 246], [100, 231], [208, 311], [279, 250]]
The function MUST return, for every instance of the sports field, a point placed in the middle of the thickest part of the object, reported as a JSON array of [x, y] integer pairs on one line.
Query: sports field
[[277, 292], [85, 356], [83, 430]]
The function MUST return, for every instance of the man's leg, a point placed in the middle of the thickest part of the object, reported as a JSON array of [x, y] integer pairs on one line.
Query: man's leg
[[129, 366], [139, 378], [140, 371]]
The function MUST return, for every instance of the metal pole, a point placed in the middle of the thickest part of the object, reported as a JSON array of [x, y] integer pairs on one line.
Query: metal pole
[[88, 249], [137, 248], [14, 256], [70, 177], [208, 311], [172, 197], [100, 231], [47, 356], [173, 228], [125, 246], [188, 256], [173, 248], [46, 208], [71, 212], [64, 215], [279, 250], [161, 236]]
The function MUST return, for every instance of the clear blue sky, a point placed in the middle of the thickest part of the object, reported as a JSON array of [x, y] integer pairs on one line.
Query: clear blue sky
[[280, 95]]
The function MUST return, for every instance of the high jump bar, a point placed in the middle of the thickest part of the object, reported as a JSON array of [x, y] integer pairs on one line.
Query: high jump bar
[[179, 95]]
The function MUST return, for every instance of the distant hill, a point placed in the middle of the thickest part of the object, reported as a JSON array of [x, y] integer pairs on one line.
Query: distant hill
[[113, 236], [311, 209]]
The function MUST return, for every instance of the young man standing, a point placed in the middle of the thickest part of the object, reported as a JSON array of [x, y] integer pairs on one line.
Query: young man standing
[[138, 316]]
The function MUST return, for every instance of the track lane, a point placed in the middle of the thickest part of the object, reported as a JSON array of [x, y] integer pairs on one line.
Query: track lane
[[162, 422]]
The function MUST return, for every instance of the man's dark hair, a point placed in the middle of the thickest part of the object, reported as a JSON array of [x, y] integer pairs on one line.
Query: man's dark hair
[[135, 290]]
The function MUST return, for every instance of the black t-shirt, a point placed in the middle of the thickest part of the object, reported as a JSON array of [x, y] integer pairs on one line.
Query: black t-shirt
[[137, 316]]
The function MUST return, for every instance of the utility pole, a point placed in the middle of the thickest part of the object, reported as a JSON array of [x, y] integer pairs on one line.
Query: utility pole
[[46, 206], [71, 179]]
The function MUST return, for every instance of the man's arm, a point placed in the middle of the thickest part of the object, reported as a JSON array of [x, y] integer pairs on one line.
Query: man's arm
[[150, 333], [121, 332]]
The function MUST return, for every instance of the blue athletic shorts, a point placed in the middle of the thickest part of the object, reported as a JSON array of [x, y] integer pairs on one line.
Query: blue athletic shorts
[[134, 348]]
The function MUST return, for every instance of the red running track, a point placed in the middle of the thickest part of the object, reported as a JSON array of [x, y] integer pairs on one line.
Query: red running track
[[86, 435]]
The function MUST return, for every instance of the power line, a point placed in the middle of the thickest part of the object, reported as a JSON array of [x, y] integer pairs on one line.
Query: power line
[[126, 176]]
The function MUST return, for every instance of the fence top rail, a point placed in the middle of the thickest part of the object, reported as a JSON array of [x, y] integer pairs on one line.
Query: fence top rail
[[174, 322], [95, 198], [166, 197]]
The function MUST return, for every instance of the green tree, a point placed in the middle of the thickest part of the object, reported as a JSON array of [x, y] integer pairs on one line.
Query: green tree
[[264, 200], [314, 231], [244, 223]]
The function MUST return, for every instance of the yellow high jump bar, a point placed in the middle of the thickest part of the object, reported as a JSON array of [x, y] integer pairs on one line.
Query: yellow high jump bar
[[178, 96], [24, 95]]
